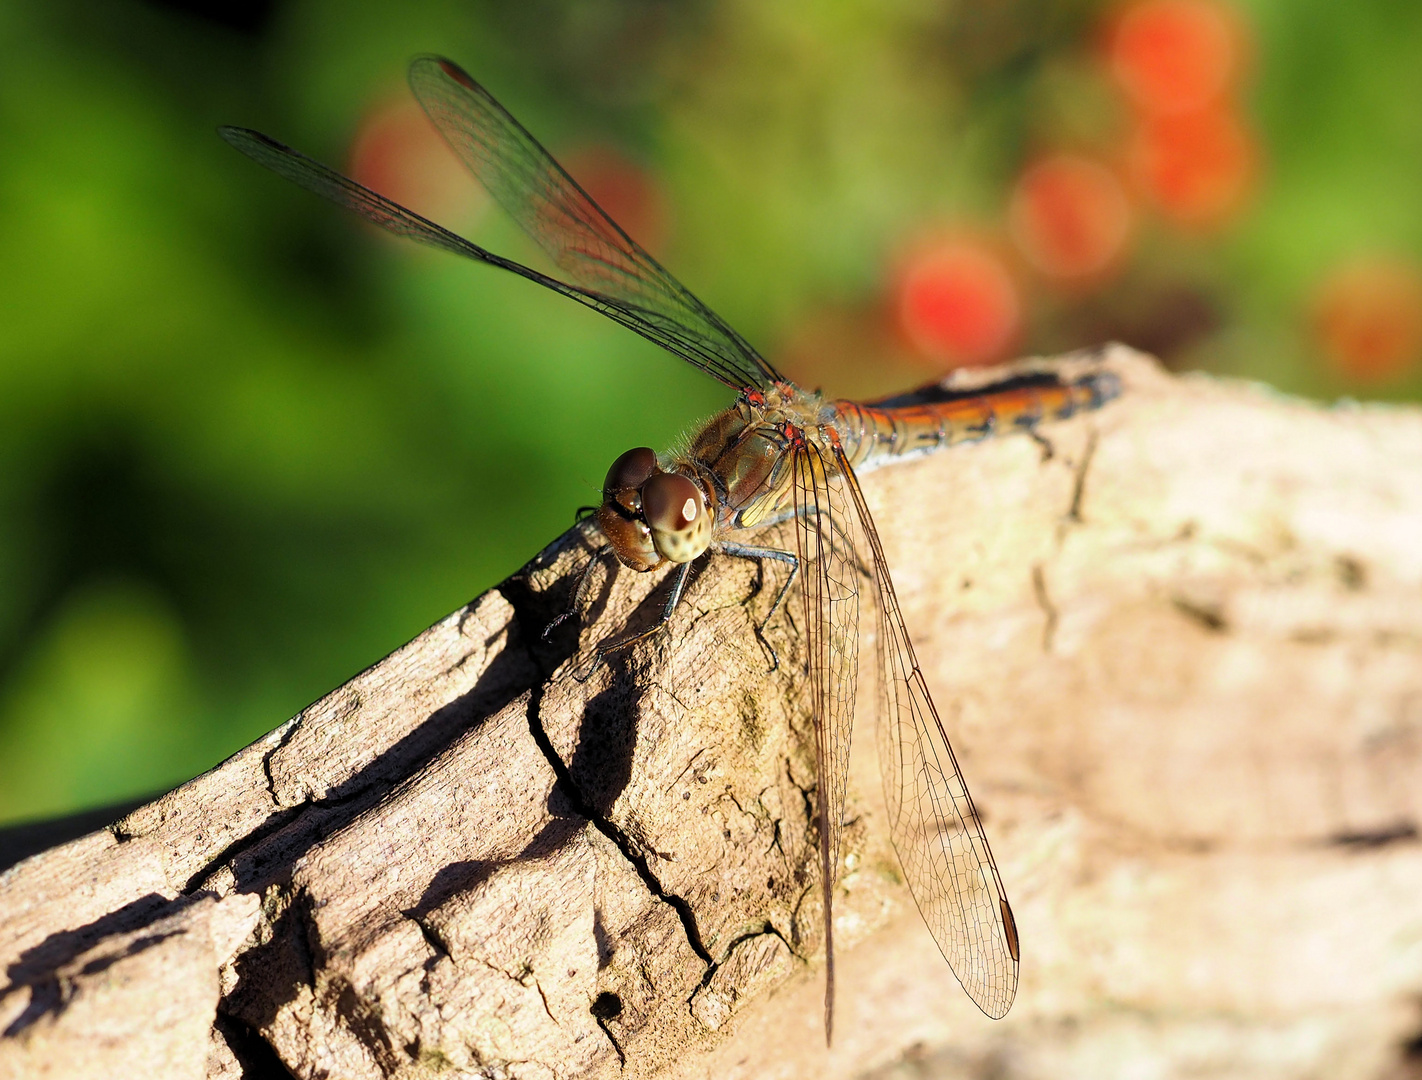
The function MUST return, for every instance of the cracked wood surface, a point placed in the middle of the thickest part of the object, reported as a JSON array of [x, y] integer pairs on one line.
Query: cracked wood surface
[[1180, 656]]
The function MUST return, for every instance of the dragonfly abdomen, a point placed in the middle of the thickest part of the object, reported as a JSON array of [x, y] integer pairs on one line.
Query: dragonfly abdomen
[[933, 418]]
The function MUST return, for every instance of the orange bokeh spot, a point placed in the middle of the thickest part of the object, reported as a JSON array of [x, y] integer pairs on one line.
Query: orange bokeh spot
[[958, 304], [1174, 56], [625, 190], [1198, 167], [398, 153], [1368, 317], [1070, 217]]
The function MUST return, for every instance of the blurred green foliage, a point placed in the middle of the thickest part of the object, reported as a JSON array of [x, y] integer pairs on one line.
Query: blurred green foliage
[[247, 447]]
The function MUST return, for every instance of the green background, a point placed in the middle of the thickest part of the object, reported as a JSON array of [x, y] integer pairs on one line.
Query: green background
[[247, 447]]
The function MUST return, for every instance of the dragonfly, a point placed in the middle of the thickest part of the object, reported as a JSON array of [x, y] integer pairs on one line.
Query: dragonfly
[[780, 454]]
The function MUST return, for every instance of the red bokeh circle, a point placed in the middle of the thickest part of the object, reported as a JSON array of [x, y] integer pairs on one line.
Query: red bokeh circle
[[1367, 315], [1070, 217], [957, 302], [1198, 167], [1173, 56]]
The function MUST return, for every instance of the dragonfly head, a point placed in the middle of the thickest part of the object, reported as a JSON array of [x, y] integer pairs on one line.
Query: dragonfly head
[[651, 516]]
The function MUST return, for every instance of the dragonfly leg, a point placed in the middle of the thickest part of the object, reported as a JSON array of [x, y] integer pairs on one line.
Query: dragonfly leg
[[575, 603], [604, 649], [760, 554], [1048, 450]]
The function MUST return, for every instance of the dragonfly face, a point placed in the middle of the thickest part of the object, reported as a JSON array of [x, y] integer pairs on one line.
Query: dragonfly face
[[651, 516]]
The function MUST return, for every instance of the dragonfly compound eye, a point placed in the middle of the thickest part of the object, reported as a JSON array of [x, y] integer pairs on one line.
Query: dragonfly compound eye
[[675, 510], [630, 471], [620, 515]]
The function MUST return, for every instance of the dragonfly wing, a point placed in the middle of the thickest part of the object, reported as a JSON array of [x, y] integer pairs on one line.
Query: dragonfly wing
[[630, 288], [583, 242], [388, 214], [342, 190], [830, 588], [932, 820]]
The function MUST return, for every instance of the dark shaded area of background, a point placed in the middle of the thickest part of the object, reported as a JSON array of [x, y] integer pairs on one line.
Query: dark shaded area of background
[[247, 446]]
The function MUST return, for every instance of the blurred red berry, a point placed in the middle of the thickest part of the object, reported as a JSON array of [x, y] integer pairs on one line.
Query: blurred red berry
[[398, 152], [957, 303], [1368, 317], [1172, 56], [1070, 217], [1198, 166], [628, 192]]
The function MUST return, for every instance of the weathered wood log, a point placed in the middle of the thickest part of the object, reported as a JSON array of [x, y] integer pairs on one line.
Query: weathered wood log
[[1179, 649]]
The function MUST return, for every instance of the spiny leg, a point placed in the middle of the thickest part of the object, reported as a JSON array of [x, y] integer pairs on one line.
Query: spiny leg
[[575, 602], [1048, 450], [604, 650], [760, 554]]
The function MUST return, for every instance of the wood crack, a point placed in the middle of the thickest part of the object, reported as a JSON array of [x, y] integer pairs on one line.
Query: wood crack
[[619, 838], [464, 784]]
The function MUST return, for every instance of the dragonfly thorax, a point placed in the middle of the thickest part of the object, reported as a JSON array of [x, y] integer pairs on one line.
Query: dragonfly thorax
[[651, 516]]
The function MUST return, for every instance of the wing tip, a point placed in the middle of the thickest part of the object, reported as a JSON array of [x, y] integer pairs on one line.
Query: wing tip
[[432, 62], [245, 140], [996, 1010], [995, 996]]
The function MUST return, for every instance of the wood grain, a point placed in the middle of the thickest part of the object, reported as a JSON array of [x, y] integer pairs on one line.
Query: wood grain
[[1180, 653]]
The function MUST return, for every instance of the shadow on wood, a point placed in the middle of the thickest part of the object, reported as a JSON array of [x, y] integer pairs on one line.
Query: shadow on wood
[[1180, 655]]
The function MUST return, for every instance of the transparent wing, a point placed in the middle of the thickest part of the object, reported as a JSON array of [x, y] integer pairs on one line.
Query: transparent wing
[[934, 825], [342, 190], [825, 544], [390, 215], [609, 272], [583, 242]]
